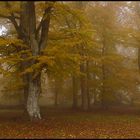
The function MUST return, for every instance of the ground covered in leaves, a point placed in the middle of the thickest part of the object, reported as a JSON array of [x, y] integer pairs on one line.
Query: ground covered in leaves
[[67, 123]]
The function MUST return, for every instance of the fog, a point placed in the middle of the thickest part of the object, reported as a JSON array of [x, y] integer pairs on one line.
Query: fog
[[73, 61]]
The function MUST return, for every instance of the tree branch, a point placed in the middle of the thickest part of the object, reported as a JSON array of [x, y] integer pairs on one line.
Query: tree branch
[[10, 67], [12, 18], [43, 18], [3, 16], [44, 26]]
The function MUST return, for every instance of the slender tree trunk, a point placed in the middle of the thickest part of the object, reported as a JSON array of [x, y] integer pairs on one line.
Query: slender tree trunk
[[88, 78], [56, 93], [103, 88], [75, 91], [84, 88], [104, 101], [88, 98], [94, 96], [94, 88], [56, 99], [139, 58]]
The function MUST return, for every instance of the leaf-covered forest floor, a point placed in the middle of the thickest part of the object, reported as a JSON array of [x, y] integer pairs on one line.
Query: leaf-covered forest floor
[[67, 123]]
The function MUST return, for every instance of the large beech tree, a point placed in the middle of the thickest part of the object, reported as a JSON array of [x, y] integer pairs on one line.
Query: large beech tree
[[34, 35]]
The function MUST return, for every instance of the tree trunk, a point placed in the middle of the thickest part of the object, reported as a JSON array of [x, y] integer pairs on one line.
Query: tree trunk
[[104, 104], [28, 30], [139, 58], [75, 91], [25, 92], [56, 93], [34, 92], [94, 96], [56, 99], [84, 89], [88, 78], [25, 79], [104, 100]]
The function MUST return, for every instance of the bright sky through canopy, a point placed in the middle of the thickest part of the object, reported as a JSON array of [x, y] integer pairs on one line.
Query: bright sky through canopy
[[3, 30]]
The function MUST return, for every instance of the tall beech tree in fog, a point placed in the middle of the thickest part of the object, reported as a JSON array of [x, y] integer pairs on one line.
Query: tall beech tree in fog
[[34, 36]]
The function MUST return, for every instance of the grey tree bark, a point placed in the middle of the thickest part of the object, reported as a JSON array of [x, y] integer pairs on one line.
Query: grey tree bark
[[33, 96]]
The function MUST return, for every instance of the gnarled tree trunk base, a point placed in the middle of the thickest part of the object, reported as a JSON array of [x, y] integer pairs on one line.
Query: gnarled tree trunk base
[[32, 101]]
